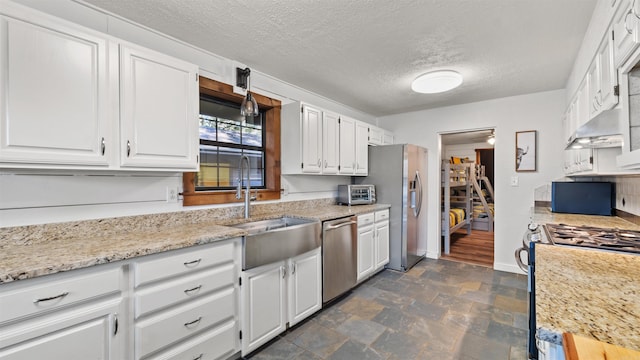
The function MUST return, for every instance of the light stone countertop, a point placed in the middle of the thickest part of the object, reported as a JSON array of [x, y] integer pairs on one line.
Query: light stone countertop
[[36, 250], [543, 215], [592, 293]]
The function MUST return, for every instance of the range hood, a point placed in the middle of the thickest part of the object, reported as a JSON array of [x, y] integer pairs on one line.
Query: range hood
[[602, 131]]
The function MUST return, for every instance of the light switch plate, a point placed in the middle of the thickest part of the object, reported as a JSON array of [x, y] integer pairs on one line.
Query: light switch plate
[[514, 181]]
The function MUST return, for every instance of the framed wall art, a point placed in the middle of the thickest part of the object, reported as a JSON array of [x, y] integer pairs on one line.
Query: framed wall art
[[526, 150]]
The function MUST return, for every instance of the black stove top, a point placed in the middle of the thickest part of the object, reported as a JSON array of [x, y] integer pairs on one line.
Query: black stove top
[[594, 237]]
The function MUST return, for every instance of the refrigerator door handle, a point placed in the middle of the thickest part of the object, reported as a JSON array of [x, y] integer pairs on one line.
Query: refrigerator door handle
[[416, 210]]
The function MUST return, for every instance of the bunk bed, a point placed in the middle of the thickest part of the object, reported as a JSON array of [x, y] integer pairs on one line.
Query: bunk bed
[[465, 200], [457, 199], [483, 197]]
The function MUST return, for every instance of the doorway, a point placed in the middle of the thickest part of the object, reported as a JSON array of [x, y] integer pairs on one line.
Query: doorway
[[467, 197]]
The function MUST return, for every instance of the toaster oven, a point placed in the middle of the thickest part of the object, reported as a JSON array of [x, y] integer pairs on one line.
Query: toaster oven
[[356, 194]]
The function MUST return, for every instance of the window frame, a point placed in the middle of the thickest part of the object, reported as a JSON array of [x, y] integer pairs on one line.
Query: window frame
[[239, 146], [271, 140]]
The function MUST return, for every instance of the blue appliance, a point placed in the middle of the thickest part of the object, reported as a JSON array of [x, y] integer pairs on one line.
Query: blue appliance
[[583, 197]]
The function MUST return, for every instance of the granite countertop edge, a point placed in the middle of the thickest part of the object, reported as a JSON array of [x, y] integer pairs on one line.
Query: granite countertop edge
[[26, 260]]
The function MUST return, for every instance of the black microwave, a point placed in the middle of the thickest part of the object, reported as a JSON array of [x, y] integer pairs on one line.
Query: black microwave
[[583, 197]]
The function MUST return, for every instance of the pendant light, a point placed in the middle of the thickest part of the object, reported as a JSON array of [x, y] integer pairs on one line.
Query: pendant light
[[249, 106]]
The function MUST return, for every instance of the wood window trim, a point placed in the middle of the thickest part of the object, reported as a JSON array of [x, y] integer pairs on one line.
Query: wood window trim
[[272, 109]]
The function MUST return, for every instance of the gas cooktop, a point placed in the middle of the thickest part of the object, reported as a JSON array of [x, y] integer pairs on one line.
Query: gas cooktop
[[594, 237]]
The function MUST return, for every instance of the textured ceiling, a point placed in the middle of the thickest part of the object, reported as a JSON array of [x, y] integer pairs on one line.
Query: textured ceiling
[[365, 53]]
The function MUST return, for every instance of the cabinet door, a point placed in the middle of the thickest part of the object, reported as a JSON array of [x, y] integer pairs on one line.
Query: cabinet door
[[158, 103], [583, 103], [382, 244], [305, 286], [366, 250], [264, 302], [311, 140], [593, 78], [608, 74], [375, 135], [362, 148], [330, 143], [625, 27], [88, 332], [347, 146], [387, 138], [55, 82]]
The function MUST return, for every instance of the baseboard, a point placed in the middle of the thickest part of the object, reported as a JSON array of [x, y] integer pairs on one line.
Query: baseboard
[[508, 268], [432, 255]]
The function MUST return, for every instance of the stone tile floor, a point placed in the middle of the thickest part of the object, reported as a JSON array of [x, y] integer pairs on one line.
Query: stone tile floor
[[438, 310]]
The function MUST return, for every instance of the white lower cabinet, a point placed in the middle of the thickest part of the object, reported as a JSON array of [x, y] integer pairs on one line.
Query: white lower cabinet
[[373, 243], [381, 234], [186, 299], [78, 315], [304, 286], [366, 246], [276, 294]]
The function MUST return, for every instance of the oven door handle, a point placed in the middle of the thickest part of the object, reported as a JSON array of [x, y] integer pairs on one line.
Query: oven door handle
[[522, 266]]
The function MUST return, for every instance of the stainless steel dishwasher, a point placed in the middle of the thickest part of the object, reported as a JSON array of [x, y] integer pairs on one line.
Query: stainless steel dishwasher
[[339, 257]]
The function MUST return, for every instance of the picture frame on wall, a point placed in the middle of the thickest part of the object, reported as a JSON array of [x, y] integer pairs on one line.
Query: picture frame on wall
[[526, 151]]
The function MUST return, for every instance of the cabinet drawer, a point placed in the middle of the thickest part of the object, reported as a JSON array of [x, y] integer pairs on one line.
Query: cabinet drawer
[[43, 297], [187, 320], [185, 262], [365, 219], [184, 288], [216, 344], [382, 215]]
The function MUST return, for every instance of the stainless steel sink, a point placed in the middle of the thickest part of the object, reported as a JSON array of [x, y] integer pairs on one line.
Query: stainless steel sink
[[273, 240]]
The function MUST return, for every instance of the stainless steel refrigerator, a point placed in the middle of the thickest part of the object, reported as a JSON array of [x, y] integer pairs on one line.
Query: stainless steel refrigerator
[[399, 173]]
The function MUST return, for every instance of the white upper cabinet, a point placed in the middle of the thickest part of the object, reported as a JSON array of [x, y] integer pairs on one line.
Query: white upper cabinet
[[375, 135], [602, 79], [362, 149], [387, 138], [330, 143], [626, 29], [316, 141], [311, 140], [158, 102], [347, 146], [55, 80], [69, 91]]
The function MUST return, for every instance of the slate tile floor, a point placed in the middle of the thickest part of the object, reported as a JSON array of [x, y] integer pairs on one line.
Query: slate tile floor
[[438, 310]]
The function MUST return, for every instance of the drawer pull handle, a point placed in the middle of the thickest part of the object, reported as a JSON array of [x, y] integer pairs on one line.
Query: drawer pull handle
[[199, 357], [51, 298], [194, 322], [194, 262], [193, 289]]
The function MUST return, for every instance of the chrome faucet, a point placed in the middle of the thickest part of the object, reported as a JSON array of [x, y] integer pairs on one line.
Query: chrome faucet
[[247, 191]]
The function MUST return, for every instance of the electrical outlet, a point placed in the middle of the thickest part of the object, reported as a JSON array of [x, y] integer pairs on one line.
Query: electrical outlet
[[514, 181], [172, 194]]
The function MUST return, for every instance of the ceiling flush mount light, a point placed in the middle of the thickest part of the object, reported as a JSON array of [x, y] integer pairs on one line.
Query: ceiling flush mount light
[[492, 138], [249, 106], [436, 82]]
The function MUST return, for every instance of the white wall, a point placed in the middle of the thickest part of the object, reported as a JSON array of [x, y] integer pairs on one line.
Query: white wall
[[539, 111], [36, 197]]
